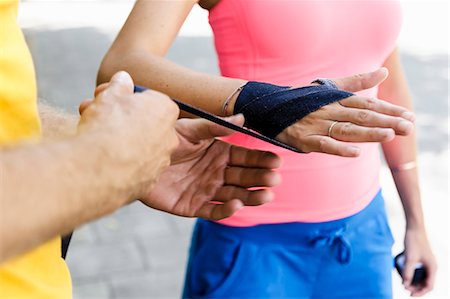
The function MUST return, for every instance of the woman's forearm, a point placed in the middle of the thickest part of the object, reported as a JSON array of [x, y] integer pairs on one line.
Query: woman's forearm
[[402, 150], [150, 70], [141, 46]]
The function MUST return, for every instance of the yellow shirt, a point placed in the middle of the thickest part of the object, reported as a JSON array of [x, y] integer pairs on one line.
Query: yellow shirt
[[40, 273]]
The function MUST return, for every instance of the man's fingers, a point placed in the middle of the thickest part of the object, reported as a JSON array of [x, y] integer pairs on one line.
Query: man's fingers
[[248, 197], [362, 81], [251, 177], [200, 129], [121, 84], [100, 88], [377, 105], [346, 131], [216, 212], [328, 145], [84, 105], [240, 156]]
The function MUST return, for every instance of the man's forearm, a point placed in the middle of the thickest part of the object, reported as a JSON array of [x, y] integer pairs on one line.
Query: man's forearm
[[49, 189], [56, 123]]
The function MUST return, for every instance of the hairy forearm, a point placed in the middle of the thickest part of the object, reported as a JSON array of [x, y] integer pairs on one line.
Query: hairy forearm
[[402, 149], [150, 70], [49, 189], [56, 123]]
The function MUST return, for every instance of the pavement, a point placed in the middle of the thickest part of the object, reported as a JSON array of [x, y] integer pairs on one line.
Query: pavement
[[141, 253]]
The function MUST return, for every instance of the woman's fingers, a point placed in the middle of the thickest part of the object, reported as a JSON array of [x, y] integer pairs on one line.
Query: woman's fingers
[[362, 81], [349, 132], [328, 145], [377, 105], [369, 118]]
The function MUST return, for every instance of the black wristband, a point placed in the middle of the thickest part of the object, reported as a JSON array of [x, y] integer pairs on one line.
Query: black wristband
[[269, 109]]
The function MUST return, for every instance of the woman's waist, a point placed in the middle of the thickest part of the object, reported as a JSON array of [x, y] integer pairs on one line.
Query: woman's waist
[[298, 230], [317, 187]]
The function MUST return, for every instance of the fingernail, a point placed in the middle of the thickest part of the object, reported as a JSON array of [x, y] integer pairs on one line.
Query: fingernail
[[409, 116], [354, 151], [120, 76], [389, 134], [405, 126]]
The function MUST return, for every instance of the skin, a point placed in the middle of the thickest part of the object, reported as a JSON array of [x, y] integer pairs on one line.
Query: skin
[[397, 152], [149, 32], [122, 150]]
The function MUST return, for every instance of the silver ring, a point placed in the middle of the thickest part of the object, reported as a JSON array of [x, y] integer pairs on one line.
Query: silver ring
[[331, 128]]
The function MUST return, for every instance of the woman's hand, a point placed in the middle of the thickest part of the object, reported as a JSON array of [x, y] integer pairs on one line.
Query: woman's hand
[[418, 250], [354, 119]]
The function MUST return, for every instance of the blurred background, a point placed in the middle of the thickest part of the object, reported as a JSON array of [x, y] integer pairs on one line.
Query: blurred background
[[141, 253]]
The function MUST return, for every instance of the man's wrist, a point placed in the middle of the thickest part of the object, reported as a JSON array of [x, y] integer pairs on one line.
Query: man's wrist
[[111, 166]]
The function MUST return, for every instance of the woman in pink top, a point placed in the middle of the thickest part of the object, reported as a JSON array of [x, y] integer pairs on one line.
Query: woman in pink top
[[325, 233]]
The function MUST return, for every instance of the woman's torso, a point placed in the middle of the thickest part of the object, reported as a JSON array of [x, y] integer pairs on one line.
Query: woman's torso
[[292, 42]]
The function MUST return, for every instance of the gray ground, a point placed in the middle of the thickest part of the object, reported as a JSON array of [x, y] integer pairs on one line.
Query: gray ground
[[138, 252]]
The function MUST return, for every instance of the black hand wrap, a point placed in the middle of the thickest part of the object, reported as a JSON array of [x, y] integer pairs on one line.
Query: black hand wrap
[[269, 109]]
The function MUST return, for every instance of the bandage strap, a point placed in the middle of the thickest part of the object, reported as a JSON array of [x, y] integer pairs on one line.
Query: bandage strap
[[215, 119], [269, 109]]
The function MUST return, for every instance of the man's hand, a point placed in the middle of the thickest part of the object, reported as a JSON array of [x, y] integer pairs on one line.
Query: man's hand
[[354, 119], [137, 131], [210, 178]]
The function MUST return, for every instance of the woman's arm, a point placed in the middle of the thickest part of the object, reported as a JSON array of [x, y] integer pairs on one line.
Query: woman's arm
[[149, 32], [141, 46], [401, 156]]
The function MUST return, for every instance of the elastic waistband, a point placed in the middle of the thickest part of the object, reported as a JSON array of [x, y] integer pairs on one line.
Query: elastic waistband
[[281, 232]]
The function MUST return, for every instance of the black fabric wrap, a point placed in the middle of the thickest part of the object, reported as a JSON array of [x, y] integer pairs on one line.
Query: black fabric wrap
[[269, 109]]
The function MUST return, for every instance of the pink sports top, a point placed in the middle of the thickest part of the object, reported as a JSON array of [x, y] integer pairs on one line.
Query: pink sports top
[[291, 42]]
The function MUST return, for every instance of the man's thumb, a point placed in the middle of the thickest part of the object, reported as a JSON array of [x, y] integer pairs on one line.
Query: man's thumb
[[121, 84], [362, 81]]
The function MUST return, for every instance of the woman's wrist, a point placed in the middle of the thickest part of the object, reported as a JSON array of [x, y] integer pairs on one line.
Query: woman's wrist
[[415, 223], [403, 166], [230, 101]]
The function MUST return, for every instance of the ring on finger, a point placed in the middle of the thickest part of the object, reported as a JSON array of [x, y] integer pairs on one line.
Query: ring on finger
[[330, 129]]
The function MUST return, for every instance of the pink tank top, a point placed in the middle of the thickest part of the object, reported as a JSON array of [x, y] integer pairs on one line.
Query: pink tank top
[[292, 42]]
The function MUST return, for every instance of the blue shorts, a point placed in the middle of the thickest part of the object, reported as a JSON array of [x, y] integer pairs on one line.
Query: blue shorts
[[345, 258]]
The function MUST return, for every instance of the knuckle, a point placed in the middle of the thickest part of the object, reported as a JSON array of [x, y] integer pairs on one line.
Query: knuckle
[[346, 129], [370, 103], [359, 80], [363, 116], [323, 144]]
